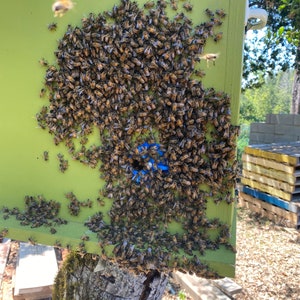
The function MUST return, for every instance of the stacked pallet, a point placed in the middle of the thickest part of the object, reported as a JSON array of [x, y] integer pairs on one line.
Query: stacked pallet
[[271, 181]]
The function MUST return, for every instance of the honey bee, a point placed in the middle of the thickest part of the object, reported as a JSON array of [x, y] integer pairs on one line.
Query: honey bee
[[218, 36], [210, 57], [220, 13], [188, 6], [43, 62], [52, 26], [46, 155], [60, 7]]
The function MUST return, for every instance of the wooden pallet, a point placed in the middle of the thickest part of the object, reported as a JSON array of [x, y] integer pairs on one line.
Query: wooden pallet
[[286, 205], [295, 196], [288, 153], [270, 211]]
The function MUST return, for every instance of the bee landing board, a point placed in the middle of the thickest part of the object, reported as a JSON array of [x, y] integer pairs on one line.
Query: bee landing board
[[127, 141]]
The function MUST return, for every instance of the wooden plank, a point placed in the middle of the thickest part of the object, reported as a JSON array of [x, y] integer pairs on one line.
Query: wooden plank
[[290, 206], [36, 270], [284, 186], [268, 210], [228, 286], [268, 163], [4, 251], [199, 288], [279, 175], [267, 189], [279, 157]]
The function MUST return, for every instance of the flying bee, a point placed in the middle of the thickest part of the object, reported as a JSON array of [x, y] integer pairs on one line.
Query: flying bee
[[210, 57], [52, 26], [60, 7]]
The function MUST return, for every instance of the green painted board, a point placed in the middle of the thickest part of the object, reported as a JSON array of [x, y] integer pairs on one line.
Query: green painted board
[[23, 170]]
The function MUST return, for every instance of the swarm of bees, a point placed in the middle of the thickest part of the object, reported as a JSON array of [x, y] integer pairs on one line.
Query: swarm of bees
[[130, 72], [75, 205], [38, 212]]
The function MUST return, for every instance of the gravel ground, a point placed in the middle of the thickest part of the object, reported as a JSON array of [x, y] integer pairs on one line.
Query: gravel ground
[[268, 259], [267, 262]]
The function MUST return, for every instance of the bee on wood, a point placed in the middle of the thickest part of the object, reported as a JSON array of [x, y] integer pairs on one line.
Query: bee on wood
[[221, 13], [218, 36], [188, 6], [43, 62], [52, 26], [46, 155]]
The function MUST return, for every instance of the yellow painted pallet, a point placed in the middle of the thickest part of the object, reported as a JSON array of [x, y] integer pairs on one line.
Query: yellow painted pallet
[[270, 211], [284, 186], [271, 173], [288, 153], [268, 163]]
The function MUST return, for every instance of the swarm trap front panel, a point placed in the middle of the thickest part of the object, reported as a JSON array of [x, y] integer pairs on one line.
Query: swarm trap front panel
[[118, 127]]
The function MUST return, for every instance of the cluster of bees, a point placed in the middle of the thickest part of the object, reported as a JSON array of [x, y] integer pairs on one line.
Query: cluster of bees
[[38, 212], [133, 73], [75, 205]]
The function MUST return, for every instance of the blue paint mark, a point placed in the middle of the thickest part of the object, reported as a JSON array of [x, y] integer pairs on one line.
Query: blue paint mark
[[153, 165]]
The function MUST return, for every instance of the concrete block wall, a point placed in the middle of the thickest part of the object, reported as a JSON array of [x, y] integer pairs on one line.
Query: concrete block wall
[[278, 128]]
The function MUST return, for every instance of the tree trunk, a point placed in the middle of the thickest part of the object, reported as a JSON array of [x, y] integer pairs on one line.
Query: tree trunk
[[295, 109], [296, 95], [84, 278]]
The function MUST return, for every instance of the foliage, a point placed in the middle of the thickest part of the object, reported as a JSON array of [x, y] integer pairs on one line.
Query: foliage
[[243, 140], [181, 295], [272, 98], [278, 48]]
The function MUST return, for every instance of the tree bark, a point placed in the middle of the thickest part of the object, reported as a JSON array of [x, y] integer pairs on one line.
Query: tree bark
[[82, 278], [295, 109], [296, 95]]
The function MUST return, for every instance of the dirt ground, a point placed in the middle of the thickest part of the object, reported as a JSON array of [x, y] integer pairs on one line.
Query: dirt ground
[[267, 262]]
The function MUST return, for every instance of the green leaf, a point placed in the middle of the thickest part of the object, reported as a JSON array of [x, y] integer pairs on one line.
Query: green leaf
[[280, 30]]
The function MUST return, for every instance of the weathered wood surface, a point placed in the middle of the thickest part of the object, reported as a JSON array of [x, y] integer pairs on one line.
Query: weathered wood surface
[[271, 190], [281, 152], [279, 175], [284, 186], [35, 271], [4, 251], [268, 163], [287, 205], [228, 286], [83, 277], [199, 288], [268, 210]]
